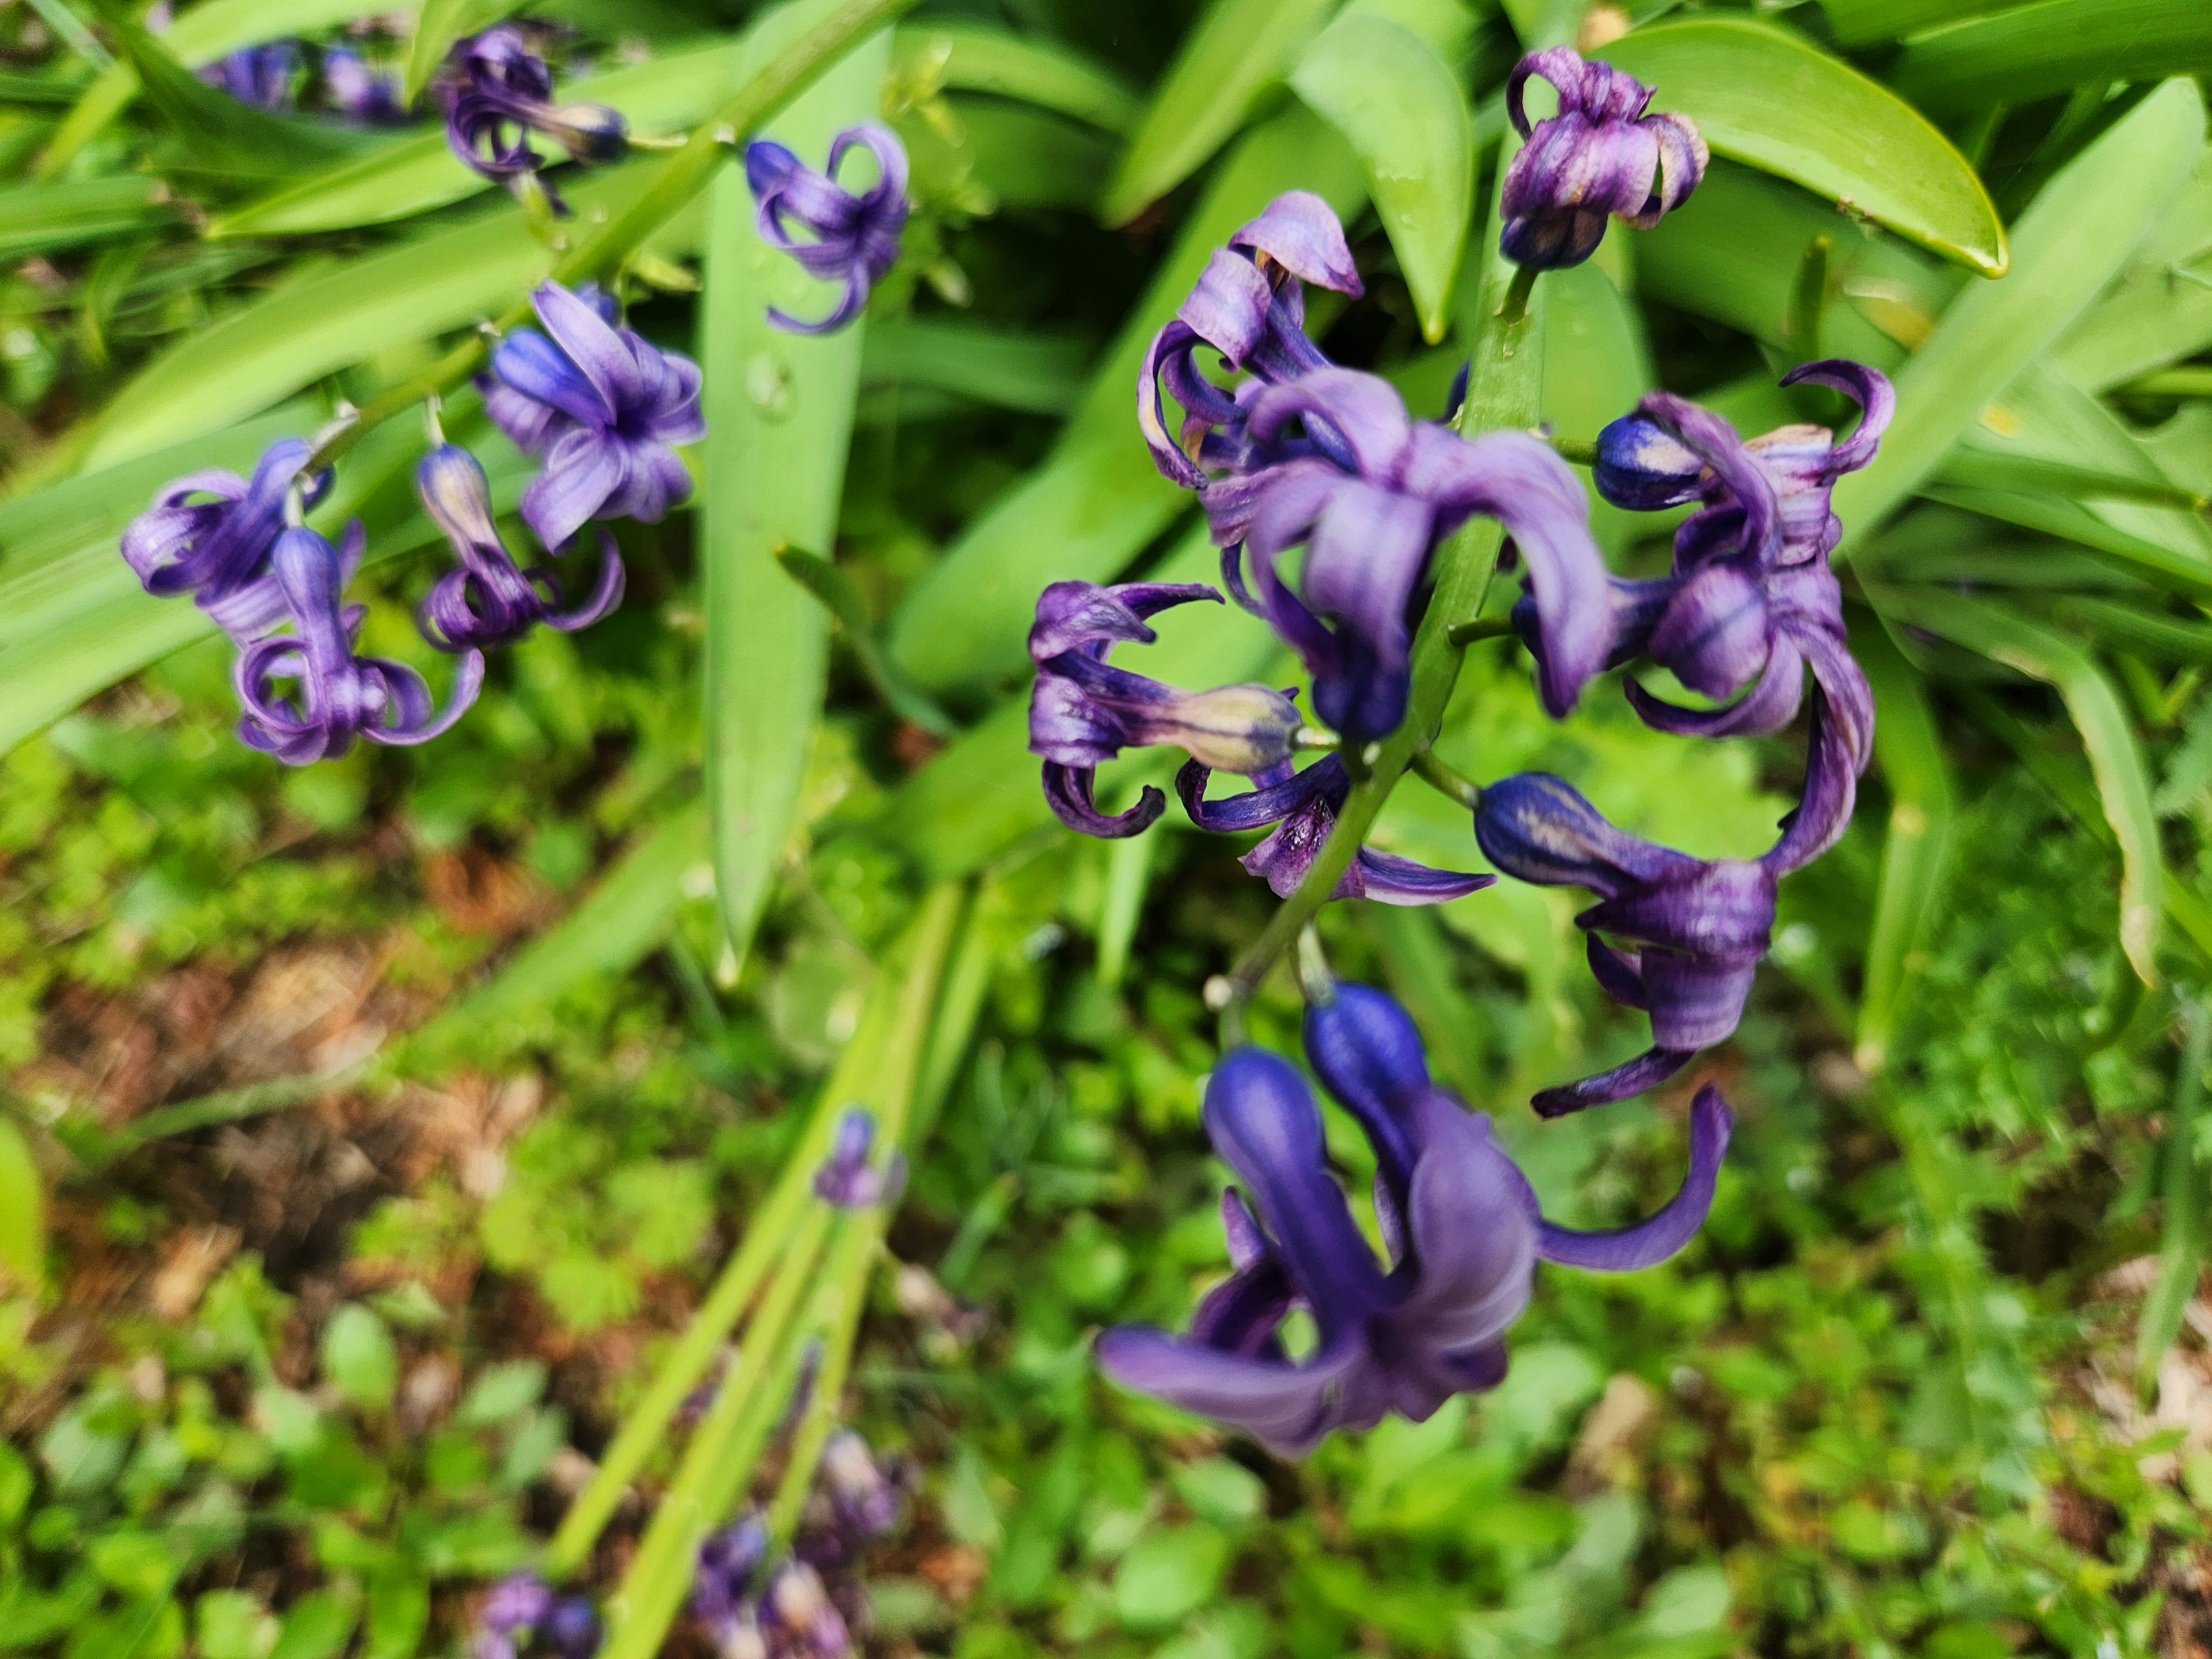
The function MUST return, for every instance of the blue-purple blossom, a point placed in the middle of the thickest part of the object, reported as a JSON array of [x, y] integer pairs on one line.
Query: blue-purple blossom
[[365, 93], [849, 239], [1751, 600], [259, 76], [1460, 1222], [209, 534], [489, 601], [1676, 936], [497, 92], [1370, 500], [847, 1178], [1082, 712], [519, 1602], [1302, 808], [338, 695], [797, 1617], [601, 406], [1600, 154], [722, 1581], [572, 1630], [1249, 307], [864, 1501]]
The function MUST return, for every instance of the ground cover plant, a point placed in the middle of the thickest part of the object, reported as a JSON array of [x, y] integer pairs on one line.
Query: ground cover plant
[[635, 1016]]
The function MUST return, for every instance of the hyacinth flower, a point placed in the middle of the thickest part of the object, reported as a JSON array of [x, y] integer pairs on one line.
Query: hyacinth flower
[[1370, 506], [489, 601], [1600, 155], [846, 1178], [1752, 600], [1461, 1222], [849, 239], [209, 534], [600, 405], [498, 93], [259, 76], [1676, 936], [1302, 808], [340, 696], [522, 1602], [1082, 712], [860, 1503], [722, 1578], [364, 92], [1249, 307]]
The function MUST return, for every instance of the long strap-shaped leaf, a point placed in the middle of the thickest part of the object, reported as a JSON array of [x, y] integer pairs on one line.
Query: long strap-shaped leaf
[[2181, 1244], [2098, 714], [779, 410]]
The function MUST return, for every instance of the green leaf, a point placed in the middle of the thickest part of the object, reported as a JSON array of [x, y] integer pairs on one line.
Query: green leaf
[[2100, 718], [1769, 98], [22, 1209], [316, 1627], [1228, 60], [2069, 243], [2028, 52], [779, 409], [1169, 1575], [1099, 500], [441, 24], [1916, 849], [829, 585], [977, 57], [501, 1394], [2160, 310], [1033, 373], [1861, 22], [40, 218], [1015, 156], [2181, 1239], [1400, 109], [361, 1357]]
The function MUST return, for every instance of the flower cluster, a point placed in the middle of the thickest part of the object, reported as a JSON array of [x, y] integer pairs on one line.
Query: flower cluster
[[808, 1605], [597, 402], [1459, 1221], [497, 93], [522, 1605], [850, 239]]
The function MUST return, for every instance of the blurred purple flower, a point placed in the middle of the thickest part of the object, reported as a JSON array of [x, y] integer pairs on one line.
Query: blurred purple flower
[[1083, 712], [1599, 154], [365, 93], [340, 696], [846, 1178], [1304, 809], [497, 92], [854, 239], [572, 1630], [1249, 306], [209, 534], [487, 602], [798, 1618], [517, 1603], [1690, 931], [722, 1580], [1460, 1222], [601, 404], [1370, 506], [259, 76], [1751, 596]]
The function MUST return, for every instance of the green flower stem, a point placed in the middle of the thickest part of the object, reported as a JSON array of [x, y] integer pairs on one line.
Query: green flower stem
[[681, 177], [1504, 383], [1447, 782], [836, 1316]]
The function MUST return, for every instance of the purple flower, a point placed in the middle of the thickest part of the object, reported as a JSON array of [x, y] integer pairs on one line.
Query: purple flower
[[1677, 936], [572, 1629], [259, 76], [488, 602], [1752, 597], [1249, 306], [1082, 712], [728, 1559], [1460, 1222], [1371, 505], [1599, 154], [365, 93], [864, 1499], [497, 92], [209, 534], [341, 695], [798, 1617], [601, 404], [846, 1178], [854, 239], [519, 1602], [1304, 809]]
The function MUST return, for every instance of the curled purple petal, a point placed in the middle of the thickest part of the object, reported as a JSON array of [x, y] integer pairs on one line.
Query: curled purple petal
[[1652, 1241], [848, 238]]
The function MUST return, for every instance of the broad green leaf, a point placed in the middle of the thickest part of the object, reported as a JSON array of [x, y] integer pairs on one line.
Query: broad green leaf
[[443, 22], [977, 57], [22, 1210], [1861, 22], [2027, 53], [1916, 850], [779, 409], [1095, 504], [1037, 374], [1231, 55], [834, 589], [361, 1357], [1016, 157], [414, 174], [2098, 714], [1399, 107], [2162, 638], [42, 218], [1596, 365], [1128, 870], [2181, 1238], [204, 33], [1766, 97], [2159, 311], [2069, 243]]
